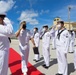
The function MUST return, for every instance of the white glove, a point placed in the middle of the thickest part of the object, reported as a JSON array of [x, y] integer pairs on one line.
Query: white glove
[[7, 21], [54, 26]]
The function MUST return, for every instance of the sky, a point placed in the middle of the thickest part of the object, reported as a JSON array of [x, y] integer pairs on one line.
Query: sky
[[37, 12]]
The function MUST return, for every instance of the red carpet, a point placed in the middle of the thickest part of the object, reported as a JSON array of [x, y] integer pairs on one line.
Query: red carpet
[[15, 65]]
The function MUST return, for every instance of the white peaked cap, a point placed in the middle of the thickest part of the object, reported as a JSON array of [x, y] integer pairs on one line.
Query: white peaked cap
[[2, 13]]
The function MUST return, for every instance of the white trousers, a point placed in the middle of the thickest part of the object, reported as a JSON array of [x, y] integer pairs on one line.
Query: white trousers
[[46, 55], [75, 59], [71, 49], [4, 62], [24, 59], [37, 57], [62, 61]]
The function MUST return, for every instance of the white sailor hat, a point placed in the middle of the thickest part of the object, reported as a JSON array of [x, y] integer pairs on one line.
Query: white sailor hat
[[45, 26], [2, 14]]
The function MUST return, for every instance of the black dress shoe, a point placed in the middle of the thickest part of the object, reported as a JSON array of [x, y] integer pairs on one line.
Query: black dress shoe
[[59, 74], [71, 52], [45, 66], [36, 60]]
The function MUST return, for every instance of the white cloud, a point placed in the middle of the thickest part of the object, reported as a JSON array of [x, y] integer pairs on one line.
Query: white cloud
[[29, 16], [44, 11], [5, 6]]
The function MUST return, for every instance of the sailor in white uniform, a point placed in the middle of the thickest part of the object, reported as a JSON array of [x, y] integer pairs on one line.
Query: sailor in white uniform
[[6, 31], [62, 44], [24, 37], [75, 59], [46, 47], [72, 41], [36, 40]]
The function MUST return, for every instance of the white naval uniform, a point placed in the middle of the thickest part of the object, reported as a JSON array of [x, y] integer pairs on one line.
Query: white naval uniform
[[74, 56], [46, 48], [5, 32], [52, 33], [72, 40], [62, 45], [37, 40], [24, 38], [75, 59]]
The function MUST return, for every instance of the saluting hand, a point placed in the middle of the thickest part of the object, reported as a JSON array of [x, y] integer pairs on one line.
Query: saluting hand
[[21, 26]]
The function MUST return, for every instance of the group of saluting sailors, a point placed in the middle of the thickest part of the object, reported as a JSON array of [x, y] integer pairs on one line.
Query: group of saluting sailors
[[62, 40]]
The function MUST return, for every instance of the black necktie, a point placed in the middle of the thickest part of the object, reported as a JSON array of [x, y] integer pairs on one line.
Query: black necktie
[[59, 33]]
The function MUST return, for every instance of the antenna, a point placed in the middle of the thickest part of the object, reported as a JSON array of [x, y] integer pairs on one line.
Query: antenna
[[69, 9]]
